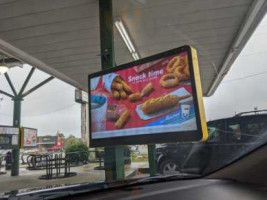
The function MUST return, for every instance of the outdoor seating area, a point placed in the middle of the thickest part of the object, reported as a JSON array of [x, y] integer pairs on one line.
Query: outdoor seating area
[[51, 168]]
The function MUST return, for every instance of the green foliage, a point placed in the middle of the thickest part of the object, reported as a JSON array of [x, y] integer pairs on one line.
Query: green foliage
[[139, 158], [73, 144]]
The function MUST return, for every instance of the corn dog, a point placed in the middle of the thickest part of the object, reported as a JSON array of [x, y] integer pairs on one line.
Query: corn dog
[[122, 119], [161, 103]]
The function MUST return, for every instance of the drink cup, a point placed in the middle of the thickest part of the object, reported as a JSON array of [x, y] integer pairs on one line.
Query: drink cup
[[98, 112], [185, 110]]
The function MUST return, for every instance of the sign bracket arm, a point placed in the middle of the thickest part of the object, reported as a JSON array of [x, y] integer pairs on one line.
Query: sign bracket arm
[[11, 84], [7, 94], [38, 86], [26, 81]]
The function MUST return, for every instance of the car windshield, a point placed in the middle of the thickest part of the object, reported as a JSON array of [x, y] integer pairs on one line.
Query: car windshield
[[190, 100]]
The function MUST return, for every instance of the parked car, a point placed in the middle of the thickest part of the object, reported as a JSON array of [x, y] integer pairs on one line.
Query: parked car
[[126, 155], [225, 136]]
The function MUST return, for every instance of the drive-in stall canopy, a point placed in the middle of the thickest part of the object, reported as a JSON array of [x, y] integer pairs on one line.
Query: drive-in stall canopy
[[62, 38]]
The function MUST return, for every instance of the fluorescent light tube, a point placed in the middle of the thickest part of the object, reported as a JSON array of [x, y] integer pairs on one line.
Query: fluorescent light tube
[[135, 56], [126, 38], [3, 69]]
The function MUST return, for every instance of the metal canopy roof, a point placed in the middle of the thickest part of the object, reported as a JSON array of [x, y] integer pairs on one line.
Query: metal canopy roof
[[62, 37]]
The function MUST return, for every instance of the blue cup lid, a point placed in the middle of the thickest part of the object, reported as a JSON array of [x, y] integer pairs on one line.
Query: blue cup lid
[[98, 99]]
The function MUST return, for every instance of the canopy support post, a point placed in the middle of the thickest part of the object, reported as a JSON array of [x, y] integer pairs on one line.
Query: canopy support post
[[18, 98], [152, 159], [114, 156]]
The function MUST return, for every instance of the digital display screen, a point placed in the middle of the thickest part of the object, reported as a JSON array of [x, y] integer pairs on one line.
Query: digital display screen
[[5, 140], [30, 137], [150, 98]]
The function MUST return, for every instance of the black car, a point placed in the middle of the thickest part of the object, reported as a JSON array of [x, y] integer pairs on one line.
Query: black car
[[182, 158], [225, 136]]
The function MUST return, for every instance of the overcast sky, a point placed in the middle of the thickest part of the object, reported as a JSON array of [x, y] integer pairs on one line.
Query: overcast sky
[[53, 108], [245, 85]]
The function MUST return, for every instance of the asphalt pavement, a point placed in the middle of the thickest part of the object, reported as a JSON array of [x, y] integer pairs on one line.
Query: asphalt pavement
[[85, 173]]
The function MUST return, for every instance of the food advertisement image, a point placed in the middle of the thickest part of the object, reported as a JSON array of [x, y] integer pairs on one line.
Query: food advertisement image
[[151, 98], [30, 137]]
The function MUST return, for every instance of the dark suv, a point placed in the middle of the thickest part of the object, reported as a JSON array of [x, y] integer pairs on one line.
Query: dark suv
[[227, 138], [184, 158]]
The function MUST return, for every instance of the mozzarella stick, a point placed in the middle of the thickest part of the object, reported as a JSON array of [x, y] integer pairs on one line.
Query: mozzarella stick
[[135, 97], [122, 119], [147, 89]]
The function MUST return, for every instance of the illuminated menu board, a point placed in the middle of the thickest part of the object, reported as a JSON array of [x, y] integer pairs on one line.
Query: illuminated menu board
[[154, 100]]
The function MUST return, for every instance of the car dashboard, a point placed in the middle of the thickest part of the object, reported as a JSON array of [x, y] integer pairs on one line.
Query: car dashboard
[[200, 189]]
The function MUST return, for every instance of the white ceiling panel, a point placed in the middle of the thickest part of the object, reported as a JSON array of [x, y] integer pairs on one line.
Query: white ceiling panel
[[64, 35]]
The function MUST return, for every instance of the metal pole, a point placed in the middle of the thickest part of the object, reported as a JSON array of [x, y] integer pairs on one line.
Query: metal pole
[[114, 156], [106, 34], [11, 84], [83, 123], [16, 122], [152, 159], [17, 98]]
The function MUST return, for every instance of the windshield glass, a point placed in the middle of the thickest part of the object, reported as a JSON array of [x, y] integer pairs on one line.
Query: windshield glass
[[48, 127]]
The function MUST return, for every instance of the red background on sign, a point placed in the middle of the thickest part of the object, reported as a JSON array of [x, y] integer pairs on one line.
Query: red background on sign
[[135, 120]]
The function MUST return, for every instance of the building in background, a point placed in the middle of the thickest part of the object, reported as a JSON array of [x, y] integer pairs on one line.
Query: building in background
[[50, 143]]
